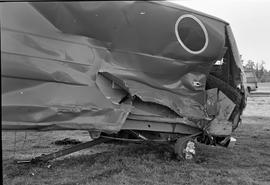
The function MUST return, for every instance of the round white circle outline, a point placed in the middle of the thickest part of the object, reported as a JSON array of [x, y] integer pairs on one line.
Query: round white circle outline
[[203, 28]]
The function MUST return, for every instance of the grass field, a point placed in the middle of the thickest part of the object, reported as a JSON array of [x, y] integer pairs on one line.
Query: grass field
[[247, 163]]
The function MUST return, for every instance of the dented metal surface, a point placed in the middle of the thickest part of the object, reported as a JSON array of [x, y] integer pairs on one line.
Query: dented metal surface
[[81, 65]]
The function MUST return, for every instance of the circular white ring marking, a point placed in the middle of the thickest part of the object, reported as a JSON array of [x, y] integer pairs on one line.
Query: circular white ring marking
[[203, 28]]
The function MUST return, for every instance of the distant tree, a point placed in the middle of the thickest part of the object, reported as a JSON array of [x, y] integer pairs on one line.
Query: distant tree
[[261, 70], [250, 65], [262, 74], [257, 70], [266, 76]]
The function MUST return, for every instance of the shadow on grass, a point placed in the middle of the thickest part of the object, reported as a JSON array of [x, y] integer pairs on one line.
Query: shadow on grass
[[124, 157], [144, 152]]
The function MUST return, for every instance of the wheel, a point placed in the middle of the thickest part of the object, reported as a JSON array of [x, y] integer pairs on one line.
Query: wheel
[[185, 148]]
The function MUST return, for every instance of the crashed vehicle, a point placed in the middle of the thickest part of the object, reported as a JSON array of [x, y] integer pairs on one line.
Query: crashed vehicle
[[132, 71]]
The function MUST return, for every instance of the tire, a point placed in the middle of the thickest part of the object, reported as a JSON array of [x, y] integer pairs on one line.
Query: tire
[[185, 148]]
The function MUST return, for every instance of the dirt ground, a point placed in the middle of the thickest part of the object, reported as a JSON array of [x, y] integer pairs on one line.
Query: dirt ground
[[247, 163]]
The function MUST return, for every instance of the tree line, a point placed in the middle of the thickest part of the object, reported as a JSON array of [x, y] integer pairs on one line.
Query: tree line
[[263, 75]]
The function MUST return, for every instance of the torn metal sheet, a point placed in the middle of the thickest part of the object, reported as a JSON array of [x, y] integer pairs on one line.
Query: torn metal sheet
[[110, 90], [75, 65], [221, 125], [211, 103]]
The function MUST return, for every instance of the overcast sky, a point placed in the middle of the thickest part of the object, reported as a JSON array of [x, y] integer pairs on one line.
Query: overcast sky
[[249, 20]]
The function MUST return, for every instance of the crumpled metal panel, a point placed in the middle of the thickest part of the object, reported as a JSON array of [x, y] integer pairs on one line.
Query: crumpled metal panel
[[221, 125], [49, 78], [85, 57], [144, 59], [31, 104]]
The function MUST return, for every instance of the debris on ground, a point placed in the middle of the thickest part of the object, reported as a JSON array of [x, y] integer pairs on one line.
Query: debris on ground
[[67, 141]]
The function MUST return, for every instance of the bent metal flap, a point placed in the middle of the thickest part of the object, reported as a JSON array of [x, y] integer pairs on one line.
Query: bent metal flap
[[94, 65]]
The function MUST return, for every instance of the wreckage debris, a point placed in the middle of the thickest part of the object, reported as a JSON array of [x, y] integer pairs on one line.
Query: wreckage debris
[[67, 141], [114, 77]]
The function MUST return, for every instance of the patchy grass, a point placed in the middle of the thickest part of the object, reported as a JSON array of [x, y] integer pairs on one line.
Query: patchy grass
[[247, 163]]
